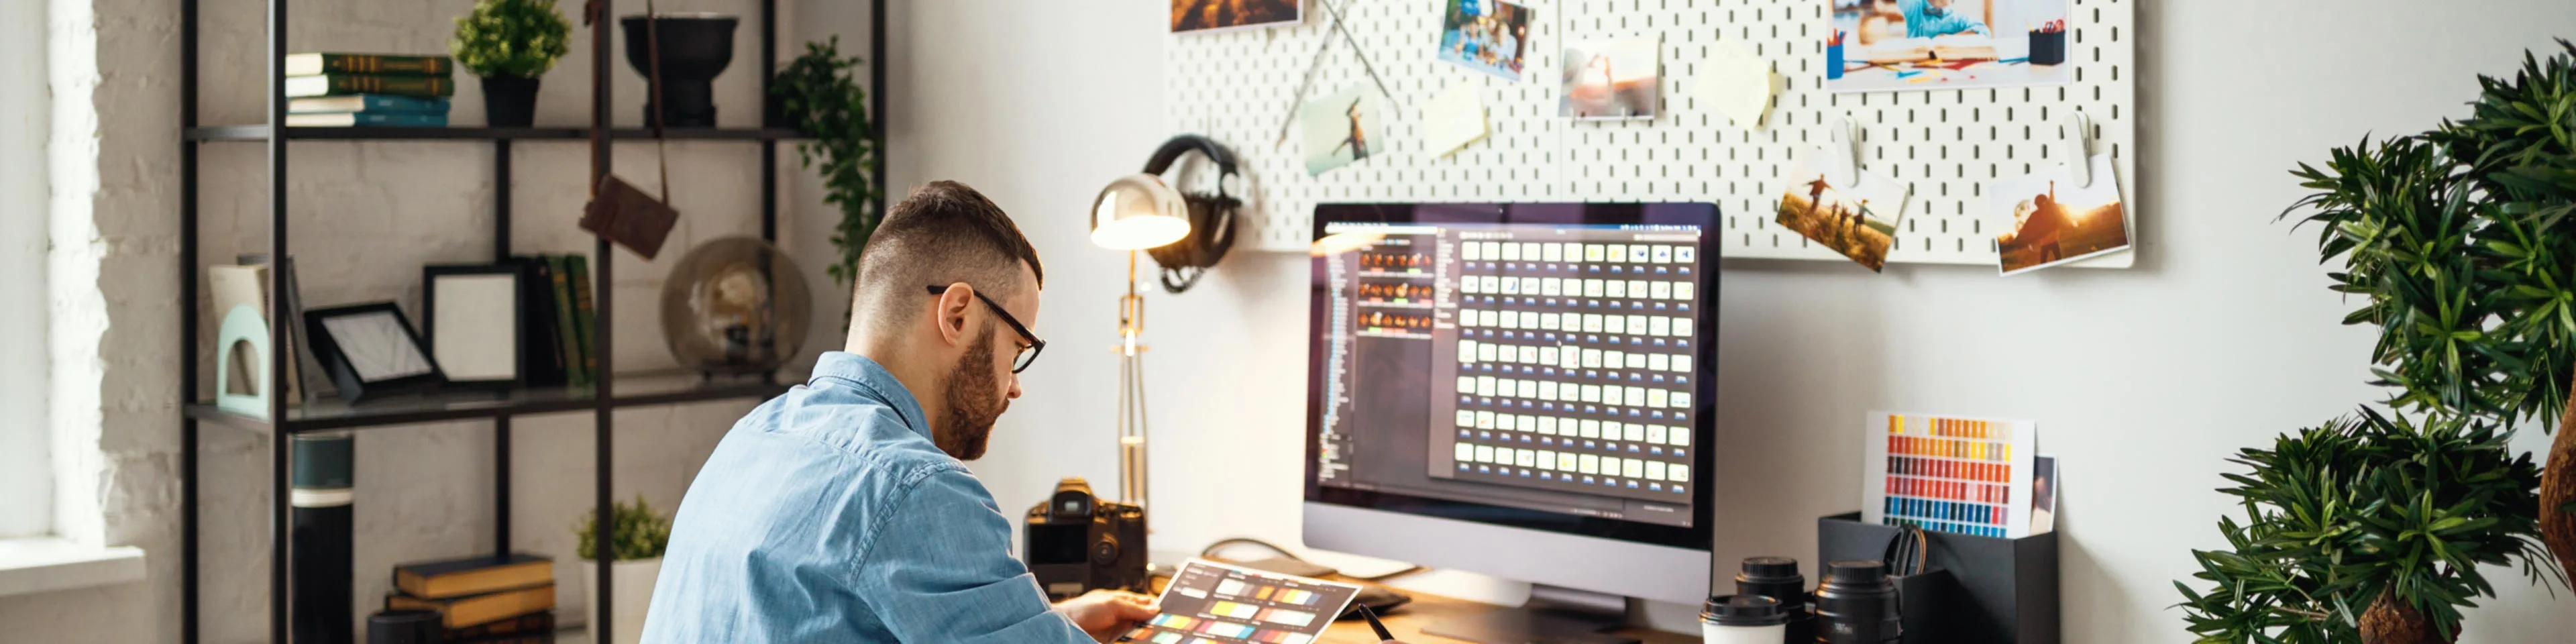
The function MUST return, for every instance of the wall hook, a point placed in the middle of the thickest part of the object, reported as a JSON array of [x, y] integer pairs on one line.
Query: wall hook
[[1841, 164], [2077, 148]]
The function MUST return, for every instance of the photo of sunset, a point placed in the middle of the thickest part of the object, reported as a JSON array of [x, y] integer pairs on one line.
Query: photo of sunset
[[2053, 221], [1203, 15]]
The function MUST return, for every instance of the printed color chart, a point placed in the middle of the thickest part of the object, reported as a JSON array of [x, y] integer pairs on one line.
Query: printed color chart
[[1964, 475], [1210, 603]]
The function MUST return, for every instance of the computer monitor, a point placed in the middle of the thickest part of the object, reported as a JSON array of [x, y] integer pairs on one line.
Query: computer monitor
[[1519, 390]]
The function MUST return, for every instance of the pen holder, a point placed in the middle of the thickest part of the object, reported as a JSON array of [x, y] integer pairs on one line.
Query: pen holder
[[2048, 47], [1987, 590], [1833, 62]]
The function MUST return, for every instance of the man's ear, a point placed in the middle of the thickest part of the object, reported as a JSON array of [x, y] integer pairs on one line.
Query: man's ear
[[951, 312]]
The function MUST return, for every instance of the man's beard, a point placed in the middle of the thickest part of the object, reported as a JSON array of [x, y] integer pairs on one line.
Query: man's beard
[[974, 401]]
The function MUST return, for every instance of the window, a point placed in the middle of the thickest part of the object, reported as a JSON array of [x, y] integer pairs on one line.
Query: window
[[26, 477]]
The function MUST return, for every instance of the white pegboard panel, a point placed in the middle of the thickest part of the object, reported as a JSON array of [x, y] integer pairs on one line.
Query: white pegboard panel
[[1237, 87]]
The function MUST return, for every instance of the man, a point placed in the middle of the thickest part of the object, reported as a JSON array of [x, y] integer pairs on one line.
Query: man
[[842, 511]]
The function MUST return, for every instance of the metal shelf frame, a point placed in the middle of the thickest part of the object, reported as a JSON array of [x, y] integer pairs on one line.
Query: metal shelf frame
[[598, 400]]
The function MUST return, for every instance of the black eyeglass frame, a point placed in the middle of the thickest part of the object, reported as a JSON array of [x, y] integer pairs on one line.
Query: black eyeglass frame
[[1029, 354]]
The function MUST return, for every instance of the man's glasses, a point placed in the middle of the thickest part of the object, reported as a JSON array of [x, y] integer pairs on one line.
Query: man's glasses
[[1029, 353]]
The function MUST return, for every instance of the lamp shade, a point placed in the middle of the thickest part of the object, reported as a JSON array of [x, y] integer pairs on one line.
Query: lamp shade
[[1137, 212]]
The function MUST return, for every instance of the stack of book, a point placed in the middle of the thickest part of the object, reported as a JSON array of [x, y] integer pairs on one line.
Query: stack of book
[[558, 323], [482, 600], [368, 90]]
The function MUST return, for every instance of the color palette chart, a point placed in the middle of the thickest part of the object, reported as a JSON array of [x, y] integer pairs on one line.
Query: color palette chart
[[1951, 474], [1212, 603]]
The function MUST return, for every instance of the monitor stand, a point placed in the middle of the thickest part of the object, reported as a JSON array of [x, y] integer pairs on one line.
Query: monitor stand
[[1553, 615]]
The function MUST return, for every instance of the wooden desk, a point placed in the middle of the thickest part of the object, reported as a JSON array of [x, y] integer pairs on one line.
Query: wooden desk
[[1407, 621]]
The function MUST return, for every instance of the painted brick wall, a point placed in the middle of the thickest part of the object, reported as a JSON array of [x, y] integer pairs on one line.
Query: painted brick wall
[[365, 218]]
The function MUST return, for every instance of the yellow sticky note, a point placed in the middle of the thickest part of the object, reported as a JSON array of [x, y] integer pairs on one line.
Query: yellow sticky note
[[1453, 119], [1738, 85]]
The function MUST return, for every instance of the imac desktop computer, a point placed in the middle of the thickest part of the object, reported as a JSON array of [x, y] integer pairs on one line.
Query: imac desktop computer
[[1517, 390]]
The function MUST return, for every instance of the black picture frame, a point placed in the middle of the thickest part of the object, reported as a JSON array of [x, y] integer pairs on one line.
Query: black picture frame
[[514, 317], [354, 388]]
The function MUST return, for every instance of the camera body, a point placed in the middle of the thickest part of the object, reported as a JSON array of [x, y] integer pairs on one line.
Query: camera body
[[1077, 543]]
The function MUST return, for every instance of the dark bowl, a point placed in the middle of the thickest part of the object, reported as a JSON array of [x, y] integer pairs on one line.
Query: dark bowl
[[695, 46]]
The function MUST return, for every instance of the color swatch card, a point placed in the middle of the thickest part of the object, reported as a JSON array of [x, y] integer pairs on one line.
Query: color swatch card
[[1964, 475], [1212, 603]]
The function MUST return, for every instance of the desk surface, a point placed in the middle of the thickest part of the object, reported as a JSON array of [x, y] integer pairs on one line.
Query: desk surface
[[1426, 609], [1407, 622]]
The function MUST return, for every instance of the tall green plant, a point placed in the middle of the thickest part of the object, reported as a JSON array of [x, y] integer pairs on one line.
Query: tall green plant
[[514, 38], [2339, 515], [820, 95], [635, 531]]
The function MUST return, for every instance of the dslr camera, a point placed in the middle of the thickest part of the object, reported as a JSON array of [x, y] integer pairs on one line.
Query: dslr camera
[[1076, 543]]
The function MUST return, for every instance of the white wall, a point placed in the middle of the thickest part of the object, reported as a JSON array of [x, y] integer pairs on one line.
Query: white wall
[[2223, 336], [26, 508]]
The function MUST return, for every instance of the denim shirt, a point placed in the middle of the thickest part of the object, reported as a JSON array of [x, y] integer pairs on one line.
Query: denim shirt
[[828, 515]]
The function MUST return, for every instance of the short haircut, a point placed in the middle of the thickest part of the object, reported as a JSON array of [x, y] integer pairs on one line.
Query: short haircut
[[943, 234]]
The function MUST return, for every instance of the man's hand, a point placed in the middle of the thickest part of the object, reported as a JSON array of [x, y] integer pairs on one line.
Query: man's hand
[[1106, 614]]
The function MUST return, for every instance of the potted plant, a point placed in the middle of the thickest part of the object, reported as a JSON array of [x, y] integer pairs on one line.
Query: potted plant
[[637, 536], [2460, 244], [2370, 528], [819, 95], [509, 43]]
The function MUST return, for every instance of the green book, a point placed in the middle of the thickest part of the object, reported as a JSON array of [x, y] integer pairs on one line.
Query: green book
[[338, 84], [585, 317], [560, 268], [310, 64]]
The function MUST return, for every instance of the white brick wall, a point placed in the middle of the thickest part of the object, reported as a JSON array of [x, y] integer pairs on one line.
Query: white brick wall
[[365, 218]]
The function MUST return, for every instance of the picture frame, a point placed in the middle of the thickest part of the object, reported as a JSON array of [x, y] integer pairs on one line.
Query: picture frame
[[470, 319], [371, 351]]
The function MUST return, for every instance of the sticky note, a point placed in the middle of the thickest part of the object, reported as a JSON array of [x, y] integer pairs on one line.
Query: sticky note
[[1454, 118], [1738, 84]]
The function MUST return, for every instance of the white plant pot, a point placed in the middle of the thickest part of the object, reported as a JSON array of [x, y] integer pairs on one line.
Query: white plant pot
[[634, 580]]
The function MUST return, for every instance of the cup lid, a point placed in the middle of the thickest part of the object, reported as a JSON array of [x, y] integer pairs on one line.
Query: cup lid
[[1781, 568], [1744, 610]]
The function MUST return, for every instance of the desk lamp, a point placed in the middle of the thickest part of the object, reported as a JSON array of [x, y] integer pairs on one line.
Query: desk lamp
[[1134, 213]]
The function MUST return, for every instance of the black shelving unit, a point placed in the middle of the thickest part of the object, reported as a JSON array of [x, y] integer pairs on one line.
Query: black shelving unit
[[610, 393]]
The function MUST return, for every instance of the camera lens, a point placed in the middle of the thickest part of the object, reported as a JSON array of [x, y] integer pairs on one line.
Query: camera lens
[[1857, 604], [1777, 578]]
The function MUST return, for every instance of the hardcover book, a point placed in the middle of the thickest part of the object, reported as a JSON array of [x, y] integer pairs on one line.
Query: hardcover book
[[366, 103], [362, 119], [473, 575], [308, 64], [461, 612], [342, 84]]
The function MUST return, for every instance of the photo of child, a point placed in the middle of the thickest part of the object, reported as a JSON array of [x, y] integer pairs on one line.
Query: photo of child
[[1211, 15], [1858, 221], [1612, 79], [1489, 36], [1898, 45]]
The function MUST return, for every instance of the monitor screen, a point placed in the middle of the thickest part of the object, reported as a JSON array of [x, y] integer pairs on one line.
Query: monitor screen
[[1543, 366]]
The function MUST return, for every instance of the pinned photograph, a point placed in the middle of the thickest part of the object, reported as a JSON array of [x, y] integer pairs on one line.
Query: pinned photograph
[[1901, 45], [1489, 36], [1612, 79], [1342, 128], [2055, 222], [1215, 15], [1858, 221]]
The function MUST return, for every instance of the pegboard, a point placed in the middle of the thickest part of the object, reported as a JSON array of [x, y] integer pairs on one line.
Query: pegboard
[[1238, 87]]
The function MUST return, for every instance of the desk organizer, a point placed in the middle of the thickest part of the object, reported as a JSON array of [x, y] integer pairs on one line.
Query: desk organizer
[[1994, 590]]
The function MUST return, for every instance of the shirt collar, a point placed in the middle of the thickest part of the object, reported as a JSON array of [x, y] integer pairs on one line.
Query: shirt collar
[[873, 382]]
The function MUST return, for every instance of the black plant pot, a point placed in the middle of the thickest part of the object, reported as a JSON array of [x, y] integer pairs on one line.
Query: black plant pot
[[695, 48], [509, 101]]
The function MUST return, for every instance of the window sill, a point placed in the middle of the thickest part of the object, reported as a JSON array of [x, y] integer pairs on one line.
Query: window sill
[[37, 565]]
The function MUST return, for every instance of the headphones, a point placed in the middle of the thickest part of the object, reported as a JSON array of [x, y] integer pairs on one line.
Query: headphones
[[1211, 216]]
